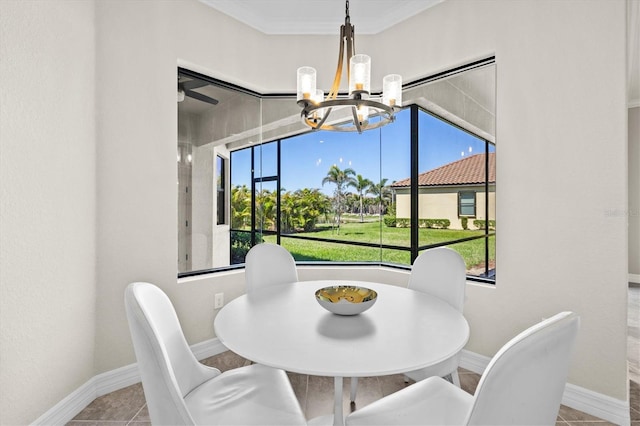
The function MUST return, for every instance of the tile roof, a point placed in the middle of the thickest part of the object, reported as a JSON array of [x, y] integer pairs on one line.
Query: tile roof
[[467, 171]]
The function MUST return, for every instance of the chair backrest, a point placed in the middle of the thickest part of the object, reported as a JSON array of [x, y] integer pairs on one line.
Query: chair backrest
[[269, 264], [524, 382], [440, 272], [168, 368]]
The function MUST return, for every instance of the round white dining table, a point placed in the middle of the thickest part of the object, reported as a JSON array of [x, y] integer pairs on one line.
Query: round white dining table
[[285, 327]]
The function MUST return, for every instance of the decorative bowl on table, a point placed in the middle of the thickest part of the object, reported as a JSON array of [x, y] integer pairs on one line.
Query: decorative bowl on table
[[346, 299]]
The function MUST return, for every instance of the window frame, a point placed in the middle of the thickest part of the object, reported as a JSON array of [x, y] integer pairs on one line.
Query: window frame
[[461, 205], [414, 248], [221, 190]]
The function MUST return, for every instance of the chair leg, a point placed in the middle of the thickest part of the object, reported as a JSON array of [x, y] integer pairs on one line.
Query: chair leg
[[354, 388], [455, 379]]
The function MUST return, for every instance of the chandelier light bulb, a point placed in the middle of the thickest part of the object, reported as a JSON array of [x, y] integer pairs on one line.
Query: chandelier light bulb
[[317, 98], [363, 113], [306, 83], [359, 74], [392, 90]]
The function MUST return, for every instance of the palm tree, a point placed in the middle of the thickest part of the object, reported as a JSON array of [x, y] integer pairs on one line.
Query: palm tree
[[240, 206], [361, 185], [340, 178], [266, 210], [382, 194]]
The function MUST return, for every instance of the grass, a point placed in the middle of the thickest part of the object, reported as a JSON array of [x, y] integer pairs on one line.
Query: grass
[[373, 233]]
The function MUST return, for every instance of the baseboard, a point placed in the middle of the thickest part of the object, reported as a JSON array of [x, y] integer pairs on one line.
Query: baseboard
[[208, 348], [109, 381], [634, 278], [473, 362], [70, 406], [119, 378], [596, 404], [593, 403]]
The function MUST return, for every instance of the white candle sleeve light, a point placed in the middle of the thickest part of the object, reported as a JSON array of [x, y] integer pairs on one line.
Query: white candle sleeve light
[[392, 90], [359, 74], [306, 83]]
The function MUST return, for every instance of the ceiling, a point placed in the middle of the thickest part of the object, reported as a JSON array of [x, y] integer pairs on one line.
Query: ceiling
[[374, 16], [320, 16]]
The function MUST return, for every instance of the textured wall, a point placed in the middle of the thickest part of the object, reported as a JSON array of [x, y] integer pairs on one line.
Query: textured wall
[[47, 213], [634, 193]]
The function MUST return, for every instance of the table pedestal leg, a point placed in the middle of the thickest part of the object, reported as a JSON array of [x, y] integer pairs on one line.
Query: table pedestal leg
[[338, 416], [354, 388]]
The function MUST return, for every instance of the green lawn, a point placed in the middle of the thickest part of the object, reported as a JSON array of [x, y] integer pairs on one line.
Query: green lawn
[[374, 233]]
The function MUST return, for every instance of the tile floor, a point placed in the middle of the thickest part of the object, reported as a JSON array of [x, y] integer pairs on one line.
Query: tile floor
[[127, 406]]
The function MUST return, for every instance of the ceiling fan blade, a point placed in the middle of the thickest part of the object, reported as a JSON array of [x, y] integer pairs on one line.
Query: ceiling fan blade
[[200, 97], [194, 84]]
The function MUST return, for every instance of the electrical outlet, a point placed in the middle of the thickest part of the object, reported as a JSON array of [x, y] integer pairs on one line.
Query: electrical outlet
[[218, 301]]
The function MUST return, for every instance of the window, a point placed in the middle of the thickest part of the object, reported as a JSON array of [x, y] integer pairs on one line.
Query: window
[[381, 197], [467, 204]]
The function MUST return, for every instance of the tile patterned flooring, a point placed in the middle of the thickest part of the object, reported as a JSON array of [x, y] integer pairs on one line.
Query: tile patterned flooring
[[127, 406]]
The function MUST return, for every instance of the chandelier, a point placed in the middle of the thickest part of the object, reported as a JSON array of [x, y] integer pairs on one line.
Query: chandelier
[[358, 111]]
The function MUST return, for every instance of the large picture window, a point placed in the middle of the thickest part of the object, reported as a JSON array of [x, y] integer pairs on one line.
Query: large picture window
[[381, 197]]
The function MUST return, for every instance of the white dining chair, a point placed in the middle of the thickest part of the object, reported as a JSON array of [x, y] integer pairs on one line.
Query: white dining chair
[[522, 385], [181, 391], [269, 264], [440, 272]]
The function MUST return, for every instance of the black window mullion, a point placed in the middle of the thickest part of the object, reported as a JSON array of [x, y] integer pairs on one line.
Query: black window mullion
[[486, 208], [278, 216], [253, 198], [414, 183]]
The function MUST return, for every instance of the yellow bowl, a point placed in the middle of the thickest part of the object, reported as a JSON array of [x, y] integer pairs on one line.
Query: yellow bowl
[[346, 299]]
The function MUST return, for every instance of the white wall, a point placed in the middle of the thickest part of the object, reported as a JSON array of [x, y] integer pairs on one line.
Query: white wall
[[47, 213], [551, 135], [633, 211]]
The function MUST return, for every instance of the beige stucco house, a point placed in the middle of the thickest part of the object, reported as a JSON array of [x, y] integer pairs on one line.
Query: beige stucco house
[[452, 191]]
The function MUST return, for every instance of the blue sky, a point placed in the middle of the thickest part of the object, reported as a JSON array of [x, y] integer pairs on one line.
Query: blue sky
[[307, 158]]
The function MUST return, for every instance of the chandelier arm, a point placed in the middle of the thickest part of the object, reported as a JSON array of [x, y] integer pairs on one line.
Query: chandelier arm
[[333, 93], [349, 36], [350, 51], [351, 41], [356, 120], [323, 119]]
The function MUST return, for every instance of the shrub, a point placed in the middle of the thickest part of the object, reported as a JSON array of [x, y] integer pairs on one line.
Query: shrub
[[464, 221], [390, 221], [434, 223], [240, 245], [481, 224], [423, 223], [403, 223]]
